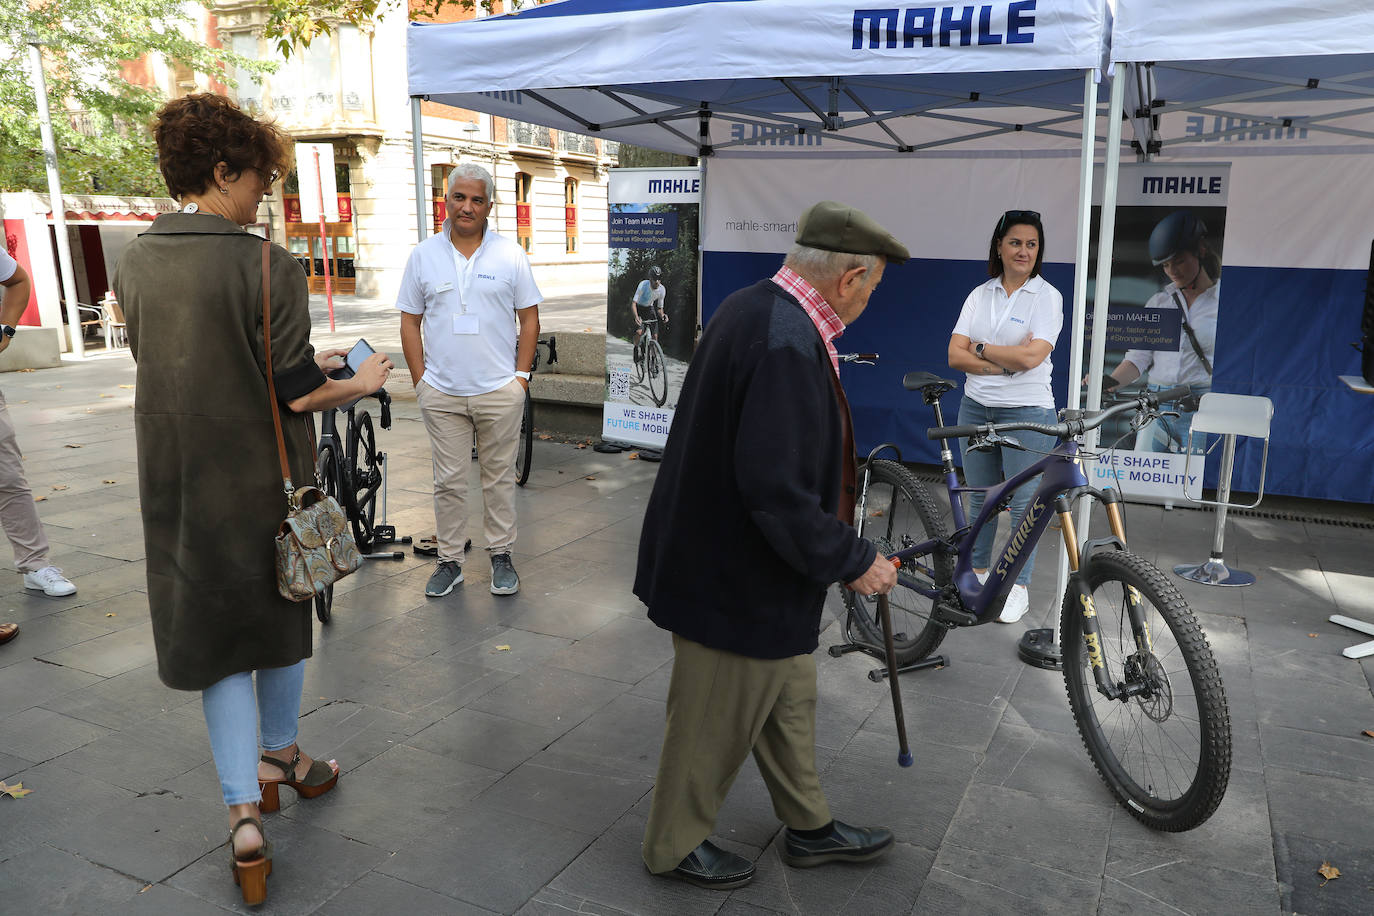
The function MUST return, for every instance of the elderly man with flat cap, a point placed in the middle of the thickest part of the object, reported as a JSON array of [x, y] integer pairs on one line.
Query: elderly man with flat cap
[[749, 522]]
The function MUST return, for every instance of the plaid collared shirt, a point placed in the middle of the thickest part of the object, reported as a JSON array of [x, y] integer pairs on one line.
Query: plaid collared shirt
[[827, 323]]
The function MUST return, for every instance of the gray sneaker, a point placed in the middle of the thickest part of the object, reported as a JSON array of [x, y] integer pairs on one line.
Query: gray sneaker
[[447, 575], [504, 580]]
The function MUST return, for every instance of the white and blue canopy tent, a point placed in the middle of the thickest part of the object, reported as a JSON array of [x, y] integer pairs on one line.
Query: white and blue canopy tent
[[878, 107], [1285, 93]]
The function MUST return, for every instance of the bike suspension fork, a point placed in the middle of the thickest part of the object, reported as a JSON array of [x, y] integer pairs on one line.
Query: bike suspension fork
[[1111, 501], [1081, 599]]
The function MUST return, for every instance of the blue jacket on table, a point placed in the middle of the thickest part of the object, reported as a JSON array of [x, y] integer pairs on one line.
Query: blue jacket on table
[[749, 520]]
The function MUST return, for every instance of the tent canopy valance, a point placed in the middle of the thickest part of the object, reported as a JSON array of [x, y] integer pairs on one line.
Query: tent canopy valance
[[659, 74]]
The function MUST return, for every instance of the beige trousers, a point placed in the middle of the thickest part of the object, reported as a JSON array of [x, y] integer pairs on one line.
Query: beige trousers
[[18, 512], [452, 423], [721, 706]]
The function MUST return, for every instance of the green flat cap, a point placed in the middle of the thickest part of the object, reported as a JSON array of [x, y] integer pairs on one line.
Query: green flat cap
[[832, 226]]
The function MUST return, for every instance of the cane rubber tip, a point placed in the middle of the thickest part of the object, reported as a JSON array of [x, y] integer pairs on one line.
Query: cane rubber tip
[[905, 759]]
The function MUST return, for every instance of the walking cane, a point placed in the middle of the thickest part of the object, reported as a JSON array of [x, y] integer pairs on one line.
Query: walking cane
[[885, 615]]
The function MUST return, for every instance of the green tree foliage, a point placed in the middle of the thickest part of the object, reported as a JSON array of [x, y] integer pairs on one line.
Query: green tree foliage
[[100, 119]]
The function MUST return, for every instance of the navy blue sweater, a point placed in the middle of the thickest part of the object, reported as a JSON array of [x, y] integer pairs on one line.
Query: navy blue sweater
[[749, 520]]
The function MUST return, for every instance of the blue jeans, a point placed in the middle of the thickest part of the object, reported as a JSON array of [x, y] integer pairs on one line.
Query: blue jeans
[[233, 715], [1167, 434], [988, 467]]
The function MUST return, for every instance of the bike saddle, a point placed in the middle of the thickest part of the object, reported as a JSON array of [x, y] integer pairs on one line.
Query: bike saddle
[[930, 385]]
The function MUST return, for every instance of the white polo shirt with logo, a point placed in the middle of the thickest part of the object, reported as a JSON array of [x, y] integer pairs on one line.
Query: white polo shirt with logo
[[991, 316], [468, 308]]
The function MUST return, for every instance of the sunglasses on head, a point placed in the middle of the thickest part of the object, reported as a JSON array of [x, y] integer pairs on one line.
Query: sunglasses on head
[[1017, 216]]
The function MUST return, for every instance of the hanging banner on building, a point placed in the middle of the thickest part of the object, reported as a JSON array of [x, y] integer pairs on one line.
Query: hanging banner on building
[[651, 300], [315, 177], [1161, 321]]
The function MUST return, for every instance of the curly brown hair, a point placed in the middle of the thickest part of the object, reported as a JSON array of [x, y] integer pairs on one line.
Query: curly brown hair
[[196, 132]]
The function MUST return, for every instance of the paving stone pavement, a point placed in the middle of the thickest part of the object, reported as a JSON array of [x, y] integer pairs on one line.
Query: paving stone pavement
[[498, 754]]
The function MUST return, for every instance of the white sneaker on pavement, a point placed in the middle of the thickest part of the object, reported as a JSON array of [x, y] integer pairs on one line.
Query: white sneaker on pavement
[[1018, 602], [51, 581]]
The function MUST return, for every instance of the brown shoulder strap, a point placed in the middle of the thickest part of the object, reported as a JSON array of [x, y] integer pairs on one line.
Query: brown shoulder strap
[[271, 382]]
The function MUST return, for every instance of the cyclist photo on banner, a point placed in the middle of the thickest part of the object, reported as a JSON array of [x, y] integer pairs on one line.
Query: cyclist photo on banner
[[1180, 247]]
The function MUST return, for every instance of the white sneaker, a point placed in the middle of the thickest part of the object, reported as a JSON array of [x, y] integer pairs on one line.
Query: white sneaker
[[1018, 602], [51, 581]]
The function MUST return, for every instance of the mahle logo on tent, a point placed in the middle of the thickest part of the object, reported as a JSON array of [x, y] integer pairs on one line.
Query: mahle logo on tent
[[988, 24]]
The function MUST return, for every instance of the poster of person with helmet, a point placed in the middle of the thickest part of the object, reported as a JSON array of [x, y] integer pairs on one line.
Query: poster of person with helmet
[[1163, 316]]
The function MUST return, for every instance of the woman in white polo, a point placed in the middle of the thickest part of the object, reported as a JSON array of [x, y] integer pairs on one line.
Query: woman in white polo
[[1003, 340]]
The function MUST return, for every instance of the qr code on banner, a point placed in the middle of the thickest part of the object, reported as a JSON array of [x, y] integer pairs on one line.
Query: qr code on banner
[[619, 385]]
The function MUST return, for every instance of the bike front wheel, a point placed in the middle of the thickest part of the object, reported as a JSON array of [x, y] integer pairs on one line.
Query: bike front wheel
[[657, 370], [899, 512], [365, 469], [1164, 749], [524, 447]]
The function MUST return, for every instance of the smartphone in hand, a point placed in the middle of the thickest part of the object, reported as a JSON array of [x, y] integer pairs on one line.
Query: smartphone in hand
[[354, 360]]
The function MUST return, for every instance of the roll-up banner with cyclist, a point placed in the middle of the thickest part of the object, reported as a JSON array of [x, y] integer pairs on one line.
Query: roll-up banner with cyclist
[[1161, 321], [651, 300]]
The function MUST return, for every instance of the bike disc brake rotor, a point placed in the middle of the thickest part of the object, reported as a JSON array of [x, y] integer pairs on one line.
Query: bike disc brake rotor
[[1157, 702]]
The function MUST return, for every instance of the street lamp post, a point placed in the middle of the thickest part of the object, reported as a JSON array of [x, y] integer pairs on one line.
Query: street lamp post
[[58, 208]]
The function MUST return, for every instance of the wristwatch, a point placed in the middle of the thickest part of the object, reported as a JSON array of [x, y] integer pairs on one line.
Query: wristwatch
[[979, 351], [8, 330], [521, 373]]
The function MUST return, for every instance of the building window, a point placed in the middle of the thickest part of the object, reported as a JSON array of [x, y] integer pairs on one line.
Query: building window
[[570, 213], [524, 218], [439, 190]]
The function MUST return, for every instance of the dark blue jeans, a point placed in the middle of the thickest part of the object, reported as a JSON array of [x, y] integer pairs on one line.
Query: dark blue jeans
[[987, 467]]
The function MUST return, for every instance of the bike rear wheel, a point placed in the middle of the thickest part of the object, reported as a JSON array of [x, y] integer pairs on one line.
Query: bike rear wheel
[[365, 472], [899, 511], [1165, 752], [525, 446], [327, 476], [657, 370]]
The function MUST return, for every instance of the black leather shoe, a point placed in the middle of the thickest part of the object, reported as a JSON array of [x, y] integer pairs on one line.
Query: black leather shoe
[[842, 844], [712, 867]]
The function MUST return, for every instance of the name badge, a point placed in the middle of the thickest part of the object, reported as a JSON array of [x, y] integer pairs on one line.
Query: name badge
[[465, 324], [444, 287]]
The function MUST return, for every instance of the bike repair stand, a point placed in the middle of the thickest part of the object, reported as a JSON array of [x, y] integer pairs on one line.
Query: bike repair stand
[[877, 674], [384, 534]]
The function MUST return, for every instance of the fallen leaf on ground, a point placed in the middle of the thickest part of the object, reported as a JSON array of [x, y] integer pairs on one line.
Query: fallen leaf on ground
[[581, 445], [71, 445], [25, 370], [634, 456], [589, 478], [15, 791], [1311, 635], [61, 486], [111, 614], [876, 513], [107, 395], [1328, 871], [39, 499], [503, 648], [545, 436], [126, 386], [145, 888], [109, 481], [1369, 733]]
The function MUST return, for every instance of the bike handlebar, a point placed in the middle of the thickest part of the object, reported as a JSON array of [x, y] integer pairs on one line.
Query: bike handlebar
[[1076, 426]]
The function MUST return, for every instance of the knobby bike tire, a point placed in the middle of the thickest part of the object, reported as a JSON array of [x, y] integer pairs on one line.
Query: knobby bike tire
[[657, 369], [899, 512], [1165, 754], [327, 477], [365, 480], [524, 448]]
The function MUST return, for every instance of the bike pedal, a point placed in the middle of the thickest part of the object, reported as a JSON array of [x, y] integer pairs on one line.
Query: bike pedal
[[952, 616]]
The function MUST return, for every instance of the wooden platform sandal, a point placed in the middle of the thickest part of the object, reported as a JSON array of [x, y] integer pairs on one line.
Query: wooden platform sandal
[[320, 778], [251, 870]]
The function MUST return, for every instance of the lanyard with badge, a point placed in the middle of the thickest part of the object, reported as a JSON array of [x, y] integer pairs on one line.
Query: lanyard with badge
[[463, 322], [994, 320]]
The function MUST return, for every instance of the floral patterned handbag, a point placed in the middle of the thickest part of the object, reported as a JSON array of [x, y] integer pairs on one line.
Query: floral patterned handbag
[[315, 546]]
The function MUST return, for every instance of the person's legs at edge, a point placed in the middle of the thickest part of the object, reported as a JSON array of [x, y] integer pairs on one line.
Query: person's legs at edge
[[496, 418], [19, 513], [982, 468], [717, 704], [450, 429], [231, 719]]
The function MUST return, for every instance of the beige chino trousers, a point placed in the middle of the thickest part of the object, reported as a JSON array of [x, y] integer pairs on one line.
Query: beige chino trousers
[[18, 513], [453, 422], [722, 706]]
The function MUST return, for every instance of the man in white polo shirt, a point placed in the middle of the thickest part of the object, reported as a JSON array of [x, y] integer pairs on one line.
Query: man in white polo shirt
[[463, 293]]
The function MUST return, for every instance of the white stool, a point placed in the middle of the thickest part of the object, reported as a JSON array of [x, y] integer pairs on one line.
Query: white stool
[[1227, 415]]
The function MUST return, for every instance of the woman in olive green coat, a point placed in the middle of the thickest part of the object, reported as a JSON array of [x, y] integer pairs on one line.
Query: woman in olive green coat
[[210, 480]]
